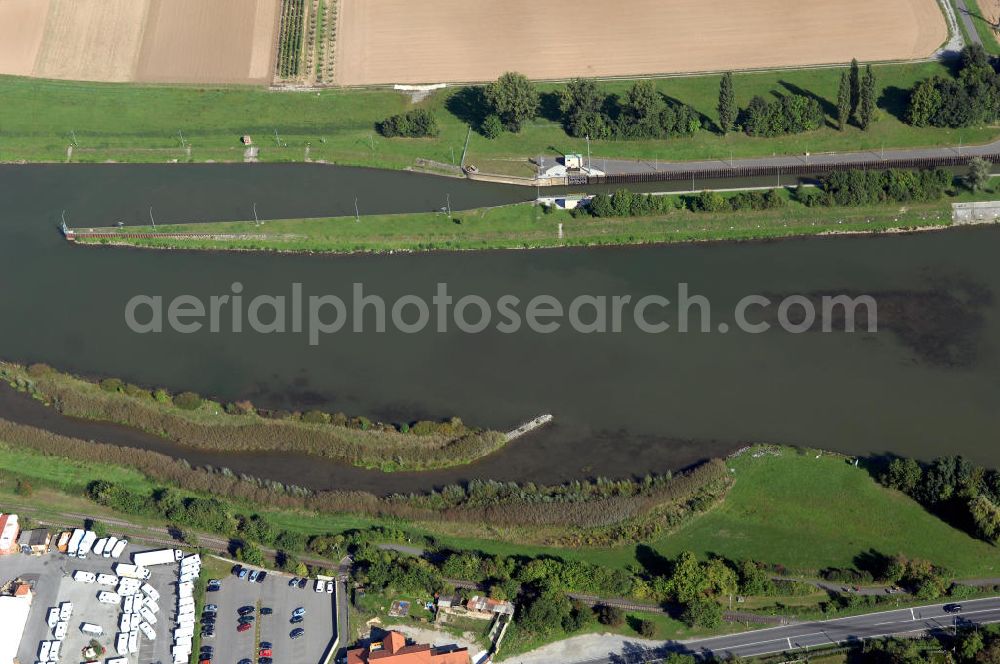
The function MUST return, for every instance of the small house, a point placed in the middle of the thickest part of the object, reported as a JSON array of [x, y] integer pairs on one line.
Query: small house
[[36, 541]]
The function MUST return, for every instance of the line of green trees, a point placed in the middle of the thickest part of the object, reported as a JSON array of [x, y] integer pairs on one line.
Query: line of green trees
[[963, 493], [643, 112], [862, 187], [971, 98], [967, 645]]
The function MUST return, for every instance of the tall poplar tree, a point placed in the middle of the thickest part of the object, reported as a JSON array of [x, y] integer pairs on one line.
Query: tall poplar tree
[[844, 101], [727, 103]]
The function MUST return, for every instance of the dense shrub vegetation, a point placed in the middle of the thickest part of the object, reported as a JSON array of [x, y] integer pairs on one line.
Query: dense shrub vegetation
[[418, 123], [965, 494], [789, 114], [644, 112], [190, 420], [973, 98]]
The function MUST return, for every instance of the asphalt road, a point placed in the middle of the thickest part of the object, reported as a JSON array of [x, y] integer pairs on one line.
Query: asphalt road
[[821, 633], [966, 19], [863, 158]]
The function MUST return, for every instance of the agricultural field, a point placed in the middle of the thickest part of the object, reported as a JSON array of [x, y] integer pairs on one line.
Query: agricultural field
[[223, 41], [306, 38], [158, 41], [398, 41]]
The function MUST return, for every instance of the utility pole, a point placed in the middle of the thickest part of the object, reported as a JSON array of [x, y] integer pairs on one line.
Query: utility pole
[[448, 199], [72, 132], [357, 214], [453, 155], [256, 221], [151, 220], [181, 135], [588, 153]]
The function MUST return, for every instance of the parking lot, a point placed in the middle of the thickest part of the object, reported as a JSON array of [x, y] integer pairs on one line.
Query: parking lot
[[51, 578], [319, 621]]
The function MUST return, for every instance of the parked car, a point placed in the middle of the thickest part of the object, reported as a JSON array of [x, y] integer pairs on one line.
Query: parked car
[[296, 633], [329, 587], [253, 576], [264, 652], [264, 660], [242, 573], [300, 611], [294, 581], [302, 583], [209, 615], [243, 627], [245, 661], [261, 575], [266, 611], [265, 644], [207, 651], [296, 620], [247, 619], [953, 608], [237, 569], [214, 585], [245, 610], [211, 607], [207, 633]]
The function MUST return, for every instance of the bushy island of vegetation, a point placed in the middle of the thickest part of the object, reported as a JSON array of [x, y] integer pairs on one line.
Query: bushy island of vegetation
[[192, 421], [856, 201]]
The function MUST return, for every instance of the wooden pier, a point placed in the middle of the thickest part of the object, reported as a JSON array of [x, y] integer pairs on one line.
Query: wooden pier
[[528, 427]]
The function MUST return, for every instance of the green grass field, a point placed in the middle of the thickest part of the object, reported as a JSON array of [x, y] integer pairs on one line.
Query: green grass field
[[40, 119], [792, 509], [527, 226], [807, 513]]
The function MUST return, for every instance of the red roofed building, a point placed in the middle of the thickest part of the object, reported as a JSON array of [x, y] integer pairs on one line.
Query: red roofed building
[[393, 650]]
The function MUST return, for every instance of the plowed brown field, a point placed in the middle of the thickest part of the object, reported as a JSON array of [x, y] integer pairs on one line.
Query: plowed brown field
[[409, 41], [178, 41]]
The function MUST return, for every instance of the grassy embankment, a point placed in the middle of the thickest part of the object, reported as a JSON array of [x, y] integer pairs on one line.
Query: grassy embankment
[[527, 226], [792, 509], [40, 119], [209, 426]]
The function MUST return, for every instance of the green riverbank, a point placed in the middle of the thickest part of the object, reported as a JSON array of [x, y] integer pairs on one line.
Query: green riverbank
[[40, 120], [528, 226]]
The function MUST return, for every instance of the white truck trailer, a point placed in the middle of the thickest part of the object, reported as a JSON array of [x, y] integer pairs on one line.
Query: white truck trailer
[[157, 557], [74, 542], [112, 542], [127, 571], [86, 544], [119, 549]]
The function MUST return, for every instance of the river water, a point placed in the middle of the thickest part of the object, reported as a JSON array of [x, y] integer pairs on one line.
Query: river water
[[625, 403]]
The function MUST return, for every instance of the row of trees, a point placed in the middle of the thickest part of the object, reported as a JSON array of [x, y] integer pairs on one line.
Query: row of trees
[[791, 114], [643, 112], [624, 203], [965, 494], [857, 97], [972, 98], [968, 645], [861, 187]]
